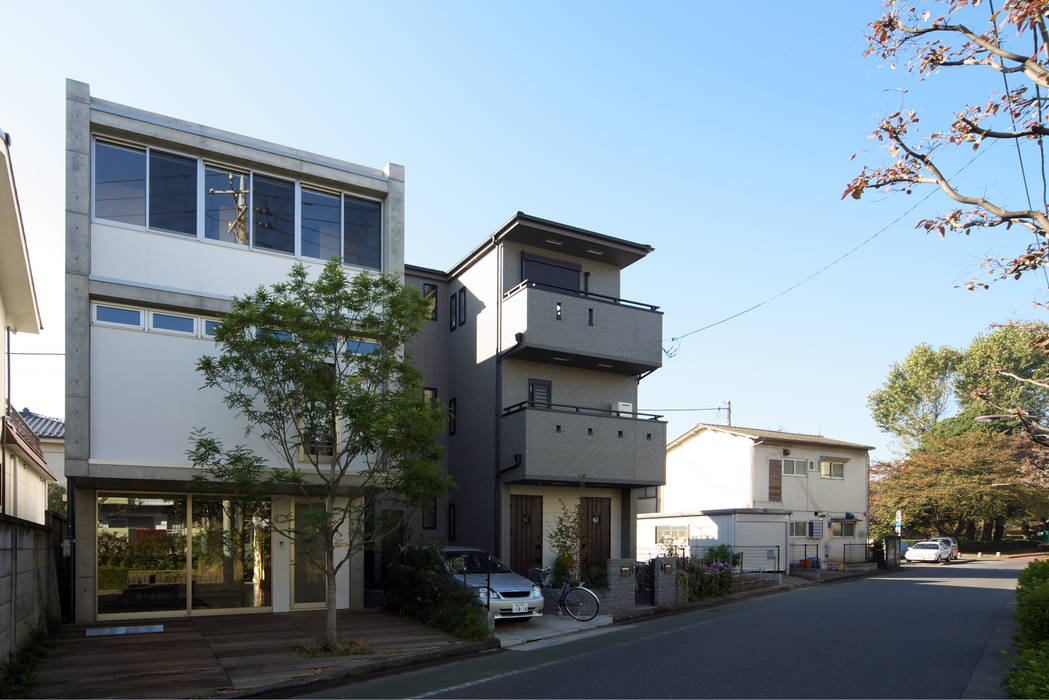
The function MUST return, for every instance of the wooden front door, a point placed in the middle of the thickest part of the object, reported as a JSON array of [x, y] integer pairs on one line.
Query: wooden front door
[[597, 524], [526, 533]]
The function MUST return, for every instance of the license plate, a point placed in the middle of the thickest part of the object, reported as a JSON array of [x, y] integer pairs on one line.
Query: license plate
[[520, 607]]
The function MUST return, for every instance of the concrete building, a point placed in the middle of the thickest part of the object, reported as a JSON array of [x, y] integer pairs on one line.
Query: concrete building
[[23, 470], [538, 358], [166, 220], [797, 496]]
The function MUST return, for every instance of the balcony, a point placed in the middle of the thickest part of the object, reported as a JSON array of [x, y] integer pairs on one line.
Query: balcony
[[17, 434], [567, 444], [578, 329]]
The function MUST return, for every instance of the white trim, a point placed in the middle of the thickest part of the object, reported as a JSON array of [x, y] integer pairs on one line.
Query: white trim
[[115, 324], [169, 331]]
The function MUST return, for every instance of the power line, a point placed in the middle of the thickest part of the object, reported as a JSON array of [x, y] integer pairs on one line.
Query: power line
[[37, 353], [675, 342]]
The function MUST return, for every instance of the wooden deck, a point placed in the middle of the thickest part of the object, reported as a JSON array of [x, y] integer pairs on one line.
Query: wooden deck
[[219, 655]]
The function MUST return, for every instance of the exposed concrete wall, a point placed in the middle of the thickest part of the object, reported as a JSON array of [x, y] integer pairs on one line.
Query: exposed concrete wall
[[84, 523], [28, 584]]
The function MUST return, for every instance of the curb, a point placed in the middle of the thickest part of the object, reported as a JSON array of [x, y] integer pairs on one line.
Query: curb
[[369, 668]]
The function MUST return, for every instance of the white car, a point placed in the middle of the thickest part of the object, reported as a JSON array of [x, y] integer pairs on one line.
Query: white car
[[933, 550]]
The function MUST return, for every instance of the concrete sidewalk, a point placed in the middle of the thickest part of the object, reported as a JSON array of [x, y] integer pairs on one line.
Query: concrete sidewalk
[[230, 655]]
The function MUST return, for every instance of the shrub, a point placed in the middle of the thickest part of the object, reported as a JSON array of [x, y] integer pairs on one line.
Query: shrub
[[1029, 677], [562, 571], [112, 577], [722, 553], [416, 584], [702, 580], [1032, 610], [1035, 574], [596, 577]]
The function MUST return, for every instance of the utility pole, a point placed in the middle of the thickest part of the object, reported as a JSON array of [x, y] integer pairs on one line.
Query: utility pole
[[728, 413]]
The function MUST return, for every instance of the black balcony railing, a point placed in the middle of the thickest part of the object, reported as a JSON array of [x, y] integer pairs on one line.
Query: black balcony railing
[[583, 295], [582, 410]]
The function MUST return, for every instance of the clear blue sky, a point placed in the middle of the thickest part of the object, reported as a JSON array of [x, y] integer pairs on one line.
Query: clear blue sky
[[720, 138]]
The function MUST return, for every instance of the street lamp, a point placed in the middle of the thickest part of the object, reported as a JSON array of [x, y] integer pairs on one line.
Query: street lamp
[[1038, 432]]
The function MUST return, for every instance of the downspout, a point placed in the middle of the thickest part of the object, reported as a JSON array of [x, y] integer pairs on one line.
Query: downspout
[[496, 481]]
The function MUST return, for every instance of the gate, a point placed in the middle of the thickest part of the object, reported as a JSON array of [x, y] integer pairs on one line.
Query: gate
[[645, 583]]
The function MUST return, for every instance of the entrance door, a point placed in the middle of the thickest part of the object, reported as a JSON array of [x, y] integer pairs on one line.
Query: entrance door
[[526, 533], [308, 583], [597, 523]]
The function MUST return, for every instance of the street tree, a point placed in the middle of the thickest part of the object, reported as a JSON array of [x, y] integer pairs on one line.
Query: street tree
[[317, 370], [916, 394]]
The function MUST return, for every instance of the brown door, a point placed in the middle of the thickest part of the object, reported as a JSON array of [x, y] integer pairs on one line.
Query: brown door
[[597, 523], [526, 533]]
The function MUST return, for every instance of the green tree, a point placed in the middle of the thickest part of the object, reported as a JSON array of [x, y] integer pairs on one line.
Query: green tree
[[983, 373], [916, 393], [317, 370]]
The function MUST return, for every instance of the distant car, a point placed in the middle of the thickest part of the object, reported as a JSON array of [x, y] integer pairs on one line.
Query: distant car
[[951, 542], [931, 550], [510, 595]]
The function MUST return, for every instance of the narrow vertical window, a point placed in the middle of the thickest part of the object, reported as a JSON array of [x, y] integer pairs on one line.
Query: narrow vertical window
[[273, 214], [462, 306], [539, 393], [451, 522], [451, 416], [429, 397], [172, 193], [226, 195], [430, 295], [120, 184], [453, 306], [589, 317], [362, 232], [320, 225]]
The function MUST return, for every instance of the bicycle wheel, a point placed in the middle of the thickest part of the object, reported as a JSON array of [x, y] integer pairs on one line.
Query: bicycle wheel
[[581, 604]]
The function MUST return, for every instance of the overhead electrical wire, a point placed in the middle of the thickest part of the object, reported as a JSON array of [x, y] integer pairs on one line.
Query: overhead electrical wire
[[675, 342]]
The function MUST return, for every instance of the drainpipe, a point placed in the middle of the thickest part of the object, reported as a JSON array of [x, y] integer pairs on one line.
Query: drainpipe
[[3, 429], [497, 482]]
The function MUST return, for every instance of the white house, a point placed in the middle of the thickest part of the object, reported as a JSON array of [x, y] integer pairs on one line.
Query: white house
[[760, 489], [24, 474]]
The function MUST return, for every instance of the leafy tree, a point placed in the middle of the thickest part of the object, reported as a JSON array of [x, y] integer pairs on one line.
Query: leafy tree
[[56, 498], [1008, 350], [916, 394], [975, 476], [318, 372]]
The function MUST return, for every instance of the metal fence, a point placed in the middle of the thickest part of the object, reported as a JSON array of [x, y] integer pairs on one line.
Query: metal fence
[[857, 552], [800, 552], [750, 558]]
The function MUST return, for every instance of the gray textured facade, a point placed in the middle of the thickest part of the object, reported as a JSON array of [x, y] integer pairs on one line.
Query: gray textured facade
[[541, 357]]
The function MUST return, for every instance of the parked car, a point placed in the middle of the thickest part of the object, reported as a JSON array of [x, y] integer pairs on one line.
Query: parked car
[[930, 550], [951, 542], [510, 595]]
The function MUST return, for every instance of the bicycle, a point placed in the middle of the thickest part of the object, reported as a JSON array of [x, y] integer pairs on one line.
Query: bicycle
[[579, 602]]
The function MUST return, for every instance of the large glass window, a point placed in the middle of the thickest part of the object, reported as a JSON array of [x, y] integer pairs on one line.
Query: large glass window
[[549, 272], [273, 212], [309, 554], [231, 553], [226, 204], [141, 553], [120, 184], [172, 193], [362, 232], [320, 225]]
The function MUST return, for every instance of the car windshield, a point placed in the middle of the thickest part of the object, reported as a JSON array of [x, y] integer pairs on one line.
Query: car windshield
[[926, 545], [475, 563]]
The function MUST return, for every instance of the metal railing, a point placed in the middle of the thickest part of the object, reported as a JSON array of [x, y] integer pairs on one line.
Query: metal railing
[[583, 295], [804, 551], [857, 553], [582, 410], [22, 429]]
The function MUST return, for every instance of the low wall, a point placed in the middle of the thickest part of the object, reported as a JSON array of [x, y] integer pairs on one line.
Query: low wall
[[28, 585]]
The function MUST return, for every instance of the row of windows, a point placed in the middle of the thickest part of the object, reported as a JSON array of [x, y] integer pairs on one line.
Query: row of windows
[[187, 196], [814, 528], [156, 321], [797, 467], [192, 326]]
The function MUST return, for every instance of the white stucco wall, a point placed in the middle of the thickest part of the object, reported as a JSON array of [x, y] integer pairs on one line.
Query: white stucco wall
[[710, 471]]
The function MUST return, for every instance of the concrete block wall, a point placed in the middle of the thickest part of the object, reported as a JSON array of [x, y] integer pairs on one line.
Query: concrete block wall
[[28, 582], [618, 598], [664, 576]]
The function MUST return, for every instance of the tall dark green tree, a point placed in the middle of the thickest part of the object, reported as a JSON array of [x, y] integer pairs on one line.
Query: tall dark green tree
[[316, 368]]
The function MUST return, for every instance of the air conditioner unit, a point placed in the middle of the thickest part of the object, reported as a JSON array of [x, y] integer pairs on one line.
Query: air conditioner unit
[[625, 408]]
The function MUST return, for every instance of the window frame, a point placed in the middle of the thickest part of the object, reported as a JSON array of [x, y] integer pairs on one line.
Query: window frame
[[430, 294], [170, 331], [792, 527], [453, 309], [830, 471], [794, 462], [462, 306], [837, 528], [95, 320], [451, 416]]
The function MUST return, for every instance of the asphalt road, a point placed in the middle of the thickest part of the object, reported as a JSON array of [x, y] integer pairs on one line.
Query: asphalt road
[[916, 633]]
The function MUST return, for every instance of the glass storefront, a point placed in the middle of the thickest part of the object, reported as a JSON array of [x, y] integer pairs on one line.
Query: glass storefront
[[148, 560], [231, 554], [309, 580], [141, 553]]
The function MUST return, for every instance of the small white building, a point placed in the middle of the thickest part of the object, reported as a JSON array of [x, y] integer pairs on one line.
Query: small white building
[[759, 490]]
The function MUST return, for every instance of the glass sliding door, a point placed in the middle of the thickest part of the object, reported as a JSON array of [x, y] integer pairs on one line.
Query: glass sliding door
[[230, 554], [141, 553], [308, 582]]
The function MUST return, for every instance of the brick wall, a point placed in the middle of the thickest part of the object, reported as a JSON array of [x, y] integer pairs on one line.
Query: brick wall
[[665, 580]]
